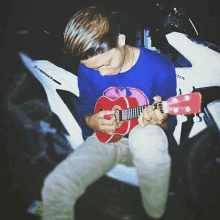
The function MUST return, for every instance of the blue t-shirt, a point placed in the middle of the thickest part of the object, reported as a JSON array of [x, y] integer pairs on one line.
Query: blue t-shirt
[[153, 74]]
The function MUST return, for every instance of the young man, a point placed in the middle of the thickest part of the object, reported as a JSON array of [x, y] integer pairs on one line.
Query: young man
[[110, 67]]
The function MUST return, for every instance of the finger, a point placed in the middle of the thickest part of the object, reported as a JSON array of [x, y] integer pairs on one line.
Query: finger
[[107, 129], [113, 118], [103, 113], [103, 121], [161, 116], [114, 122], [157, 99], [146, 115], [156, 116], [107, 112], [110, 132], [141, 120], [153, 122], [150, 113], [108, 121]]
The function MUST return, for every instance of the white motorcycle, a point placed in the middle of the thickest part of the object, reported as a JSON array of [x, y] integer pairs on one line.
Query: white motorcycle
[[205, 72]]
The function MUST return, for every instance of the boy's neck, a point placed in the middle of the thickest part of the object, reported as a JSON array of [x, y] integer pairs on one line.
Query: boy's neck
[[131, 55]]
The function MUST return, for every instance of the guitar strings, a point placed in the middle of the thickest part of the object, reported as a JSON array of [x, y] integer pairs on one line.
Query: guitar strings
[[132, 113]]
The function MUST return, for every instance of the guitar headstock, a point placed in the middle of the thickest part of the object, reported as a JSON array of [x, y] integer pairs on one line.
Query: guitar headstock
[[184, 104]]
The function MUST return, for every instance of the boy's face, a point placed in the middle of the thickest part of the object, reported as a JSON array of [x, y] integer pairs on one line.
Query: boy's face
[[109, 63]]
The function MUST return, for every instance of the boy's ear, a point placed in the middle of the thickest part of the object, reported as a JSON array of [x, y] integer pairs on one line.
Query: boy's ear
[[121, 40]]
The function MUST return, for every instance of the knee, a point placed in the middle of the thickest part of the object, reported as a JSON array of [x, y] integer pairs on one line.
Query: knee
[[149, 139], [59, 188], [149, 148], [50, 187]]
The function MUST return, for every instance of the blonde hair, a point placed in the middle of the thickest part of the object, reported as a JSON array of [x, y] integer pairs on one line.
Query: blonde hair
[[91, 31]]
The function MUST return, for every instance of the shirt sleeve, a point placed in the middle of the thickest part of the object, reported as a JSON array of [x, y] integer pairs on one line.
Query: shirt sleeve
[[85, 104]]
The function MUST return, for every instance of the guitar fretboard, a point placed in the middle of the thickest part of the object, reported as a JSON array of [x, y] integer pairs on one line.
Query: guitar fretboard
[[133, 113]]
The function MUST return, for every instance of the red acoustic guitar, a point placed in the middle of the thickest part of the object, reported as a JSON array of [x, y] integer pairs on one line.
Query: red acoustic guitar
[[127, 111]]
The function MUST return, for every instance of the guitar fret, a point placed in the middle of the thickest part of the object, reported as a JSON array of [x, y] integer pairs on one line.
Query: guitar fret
[[132, 113], [142, 108]]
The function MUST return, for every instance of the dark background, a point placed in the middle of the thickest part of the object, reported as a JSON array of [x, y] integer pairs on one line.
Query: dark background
[[52, 15], [36, 26]]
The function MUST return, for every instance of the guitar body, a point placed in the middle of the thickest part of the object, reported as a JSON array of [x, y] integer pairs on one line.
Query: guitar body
[[124, 127]]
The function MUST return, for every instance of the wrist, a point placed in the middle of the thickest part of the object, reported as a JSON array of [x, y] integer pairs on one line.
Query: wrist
[[164, 126]]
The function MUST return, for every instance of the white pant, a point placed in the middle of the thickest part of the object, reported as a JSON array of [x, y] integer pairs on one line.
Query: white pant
[[146, 147]]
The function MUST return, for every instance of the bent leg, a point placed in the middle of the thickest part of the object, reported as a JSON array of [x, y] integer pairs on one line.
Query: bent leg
[[149, 148], [69, 180]]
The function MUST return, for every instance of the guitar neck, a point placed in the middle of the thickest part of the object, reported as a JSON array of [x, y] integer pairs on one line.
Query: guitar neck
[[132, 113], [176, 105]]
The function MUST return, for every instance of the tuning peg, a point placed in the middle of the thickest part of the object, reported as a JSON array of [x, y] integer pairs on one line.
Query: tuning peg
[[190, 89], [183, 118], [197, 118]]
